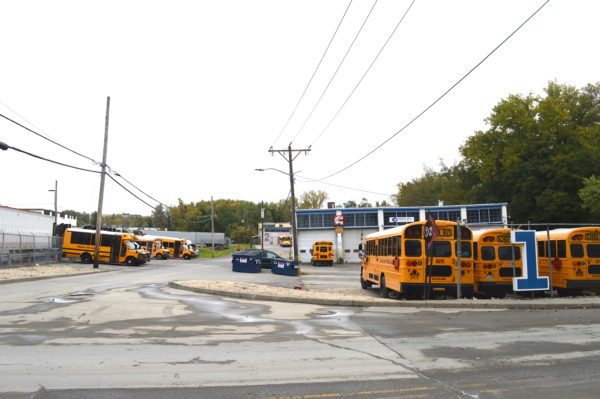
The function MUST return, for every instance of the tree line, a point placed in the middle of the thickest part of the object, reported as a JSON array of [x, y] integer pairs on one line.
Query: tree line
[[540, 154]]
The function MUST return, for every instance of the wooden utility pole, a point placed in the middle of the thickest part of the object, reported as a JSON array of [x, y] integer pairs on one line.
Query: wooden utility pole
[[102, 178], [288, 155], [212, 225]]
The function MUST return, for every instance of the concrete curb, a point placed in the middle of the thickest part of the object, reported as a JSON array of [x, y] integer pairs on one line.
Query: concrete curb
[[23, 280], [548, 303]]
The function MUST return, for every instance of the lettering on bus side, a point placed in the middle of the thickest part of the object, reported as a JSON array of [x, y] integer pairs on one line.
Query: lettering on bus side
[[592, 236], [531, 280], [503, 238]]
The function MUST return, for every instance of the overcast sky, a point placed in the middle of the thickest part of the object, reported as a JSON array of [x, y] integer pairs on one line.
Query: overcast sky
[[200, 90]]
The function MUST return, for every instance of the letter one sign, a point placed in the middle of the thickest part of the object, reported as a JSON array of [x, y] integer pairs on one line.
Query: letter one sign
[[338, 220], [531, 279]]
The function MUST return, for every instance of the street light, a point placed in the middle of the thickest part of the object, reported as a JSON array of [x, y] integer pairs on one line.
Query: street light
[[294, 231], [55, 206]]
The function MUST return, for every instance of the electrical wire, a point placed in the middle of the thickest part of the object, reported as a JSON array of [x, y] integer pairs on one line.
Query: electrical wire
[[336, 71], [313, 75], [46, 159], [46, 138], [68, 149], [439, 98], [365, 74], [133, 185], [347, 188], [125, 188]]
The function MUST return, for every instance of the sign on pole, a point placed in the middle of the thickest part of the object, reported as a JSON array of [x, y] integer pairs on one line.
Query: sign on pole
[[338, 220]]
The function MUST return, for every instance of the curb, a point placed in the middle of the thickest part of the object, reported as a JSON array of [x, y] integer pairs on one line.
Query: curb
[[23, 280], [380, 302]]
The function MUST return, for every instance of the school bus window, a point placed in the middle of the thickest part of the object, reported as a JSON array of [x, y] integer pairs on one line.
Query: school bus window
[[593, 250], [465, 249], [541, 249], [506, 252], [475, 250], [80, 238], [441, 249], [562, 248], [412, 248], [577, 250], [488, 253]]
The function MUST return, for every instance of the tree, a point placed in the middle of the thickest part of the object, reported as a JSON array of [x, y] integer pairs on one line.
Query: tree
[[364, 203], [537, 153], [432, 187], [312, 199], [350, 204], [590, 195]]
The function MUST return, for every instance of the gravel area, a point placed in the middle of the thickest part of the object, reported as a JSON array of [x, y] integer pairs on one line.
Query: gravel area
[[12, 274]]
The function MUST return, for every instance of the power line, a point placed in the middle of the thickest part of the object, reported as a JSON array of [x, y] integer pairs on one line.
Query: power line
[[337, 70], [133, 185], [440, 97], [313, 75], [347, 188], [6, 146], [68, 149], [365, 74], [125, 188], [46, 138]]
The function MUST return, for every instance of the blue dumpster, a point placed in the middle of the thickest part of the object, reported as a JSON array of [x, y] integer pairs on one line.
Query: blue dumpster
[[247, 261], [284, 266]]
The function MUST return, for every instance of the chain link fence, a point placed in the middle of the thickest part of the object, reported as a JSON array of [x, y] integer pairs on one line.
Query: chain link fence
[[27, 249]]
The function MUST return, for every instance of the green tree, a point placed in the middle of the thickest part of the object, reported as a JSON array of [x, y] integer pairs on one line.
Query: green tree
[[590, 195], [536, 154], [364, 203], [312, 199], [350, 204]]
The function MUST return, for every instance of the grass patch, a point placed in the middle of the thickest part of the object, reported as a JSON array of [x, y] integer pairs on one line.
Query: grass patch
[[207, 252]]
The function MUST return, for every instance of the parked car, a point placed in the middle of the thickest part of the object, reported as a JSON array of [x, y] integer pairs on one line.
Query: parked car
[[265, 256]]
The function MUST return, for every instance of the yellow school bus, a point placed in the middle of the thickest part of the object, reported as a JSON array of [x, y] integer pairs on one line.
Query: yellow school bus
[[497, 261], [153, 245], [575, 258], [177, 247], [115, 247], [322, 253], [284, 241], [401, 263]]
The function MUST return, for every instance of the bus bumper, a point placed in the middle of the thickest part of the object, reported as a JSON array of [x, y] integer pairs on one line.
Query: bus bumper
[[448, 289]]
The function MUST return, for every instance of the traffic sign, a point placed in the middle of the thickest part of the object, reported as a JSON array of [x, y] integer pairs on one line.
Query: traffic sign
[[338, 220]]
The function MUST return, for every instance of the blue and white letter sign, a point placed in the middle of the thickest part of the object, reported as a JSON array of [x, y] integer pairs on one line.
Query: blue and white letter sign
[[531, 279]]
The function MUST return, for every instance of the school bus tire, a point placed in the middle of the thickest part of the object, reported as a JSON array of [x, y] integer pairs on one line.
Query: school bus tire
[[383, 290], [364, 284], [186, 257], [131, 262], [86, 258], [159, 256]]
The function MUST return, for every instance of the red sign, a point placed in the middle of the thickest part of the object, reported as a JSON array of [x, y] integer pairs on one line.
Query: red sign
[[338, 220]]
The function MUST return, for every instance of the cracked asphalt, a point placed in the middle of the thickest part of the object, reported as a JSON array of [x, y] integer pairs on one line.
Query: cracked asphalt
[[127, 333]]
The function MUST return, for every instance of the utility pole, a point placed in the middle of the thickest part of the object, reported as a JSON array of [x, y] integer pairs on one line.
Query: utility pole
[[55, 207], [102, 178], [262, 226], [212, 225], [288, 155]]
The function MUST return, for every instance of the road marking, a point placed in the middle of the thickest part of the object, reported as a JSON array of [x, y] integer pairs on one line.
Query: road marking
[[363, 393]]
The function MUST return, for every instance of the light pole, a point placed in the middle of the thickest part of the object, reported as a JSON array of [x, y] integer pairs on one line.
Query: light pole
[[55, 206], [294, 230]]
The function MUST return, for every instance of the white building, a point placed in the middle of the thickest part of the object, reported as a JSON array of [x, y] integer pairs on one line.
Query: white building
[[318, 224]]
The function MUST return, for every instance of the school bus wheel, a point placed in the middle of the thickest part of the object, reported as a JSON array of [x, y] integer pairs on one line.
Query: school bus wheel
[[383, 290], [363, 283], [86, 258], [186, 256], [131, 262], [159, 256]]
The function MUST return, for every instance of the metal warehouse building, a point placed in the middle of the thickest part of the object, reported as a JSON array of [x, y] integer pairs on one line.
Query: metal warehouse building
[[318, 224]]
